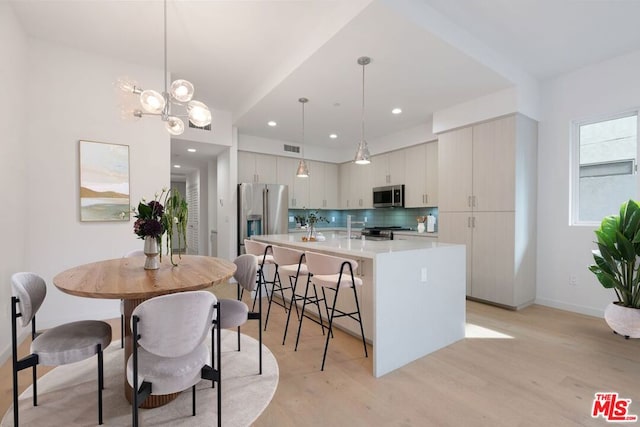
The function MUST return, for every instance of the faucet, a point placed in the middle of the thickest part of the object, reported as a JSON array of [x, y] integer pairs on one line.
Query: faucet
[[349, 223]]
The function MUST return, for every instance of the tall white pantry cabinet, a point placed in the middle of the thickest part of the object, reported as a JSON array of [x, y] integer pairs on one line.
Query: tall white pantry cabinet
[[487, 201]]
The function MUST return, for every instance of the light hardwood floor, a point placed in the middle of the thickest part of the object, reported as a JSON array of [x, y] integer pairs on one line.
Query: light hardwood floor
[[535, 367]]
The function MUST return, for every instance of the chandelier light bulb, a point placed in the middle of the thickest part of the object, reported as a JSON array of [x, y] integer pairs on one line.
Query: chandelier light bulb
[[152, 101], [199, 113], [181, 90], [174, 125], [126, 84]]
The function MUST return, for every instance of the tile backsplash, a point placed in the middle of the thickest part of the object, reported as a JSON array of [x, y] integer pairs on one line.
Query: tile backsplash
[[382, 217]]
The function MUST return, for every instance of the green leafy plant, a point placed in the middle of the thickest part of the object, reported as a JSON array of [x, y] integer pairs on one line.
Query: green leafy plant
[[314, 217], [166, 213], [617, 261]]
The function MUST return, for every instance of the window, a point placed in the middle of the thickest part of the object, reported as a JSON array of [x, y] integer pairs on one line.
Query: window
[[606, 171]]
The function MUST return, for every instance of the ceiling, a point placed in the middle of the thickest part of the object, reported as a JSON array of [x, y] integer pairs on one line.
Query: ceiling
[[256, 58]]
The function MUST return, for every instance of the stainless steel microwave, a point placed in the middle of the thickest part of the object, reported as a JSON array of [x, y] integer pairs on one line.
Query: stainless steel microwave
[[388, 197]]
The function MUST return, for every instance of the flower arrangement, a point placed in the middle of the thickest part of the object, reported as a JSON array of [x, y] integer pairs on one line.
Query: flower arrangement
[[166, 213], [421, 219], [315, 217], [312, 219]]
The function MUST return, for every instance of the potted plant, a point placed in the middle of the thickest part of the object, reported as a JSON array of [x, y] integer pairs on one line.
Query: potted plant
[[166, 213], [312, 219], [617, 267]]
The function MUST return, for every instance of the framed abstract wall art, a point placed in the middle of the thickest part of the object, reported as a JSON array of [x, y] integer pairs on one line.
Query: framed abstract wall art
[[104, 181]]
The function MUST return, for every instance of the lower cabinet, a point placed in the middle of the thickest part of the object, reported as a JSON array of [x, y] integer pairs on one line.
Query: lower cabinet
[[499, 269]]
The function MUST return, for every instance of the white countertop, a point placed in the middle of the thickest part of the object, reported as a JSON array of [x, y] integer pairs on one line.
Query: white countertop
[[338, 243]]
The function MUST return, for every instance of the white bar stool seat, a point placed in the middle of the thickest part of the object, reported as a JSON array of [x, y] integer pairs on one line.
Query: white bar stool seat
[[334, 273], [290, 264]]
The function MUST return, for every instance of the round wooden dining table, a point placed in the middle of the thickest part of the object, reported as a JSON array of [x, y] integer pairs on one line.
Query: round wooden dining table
[[126, 279]]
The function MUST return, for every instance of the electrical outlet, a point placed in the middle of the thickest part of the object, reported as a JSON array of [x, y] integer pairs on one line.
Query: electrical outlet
[[573, 280], [333, 219], [365, 219], [291, 219], [423, 274]]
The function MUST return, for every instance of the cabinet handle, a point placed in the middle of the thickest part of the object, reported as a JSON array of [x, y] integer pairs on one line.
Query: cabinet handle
[[469, 201], [473, 201], [473, 222], [468, 222]]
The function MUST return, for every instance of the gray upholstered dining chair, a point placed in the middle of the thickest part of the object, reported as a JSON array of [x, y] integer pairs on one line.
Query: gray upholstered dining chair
[[129, 254], [60, 345], [170, 352], [234, 312]]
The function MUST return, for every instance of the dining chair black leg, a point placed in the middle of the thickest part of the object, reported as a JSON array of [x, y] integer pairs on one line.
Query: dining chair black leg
[[193, 400], [100, 383]]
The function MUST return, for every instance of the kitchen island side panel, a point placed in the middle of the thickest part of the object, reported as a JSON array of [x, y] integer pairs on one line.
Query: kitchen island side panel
[[413, 317]]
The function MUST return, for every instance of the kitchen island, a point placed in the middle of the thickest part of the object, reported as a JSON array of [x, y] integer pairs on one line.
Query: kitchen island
[[413, 294]]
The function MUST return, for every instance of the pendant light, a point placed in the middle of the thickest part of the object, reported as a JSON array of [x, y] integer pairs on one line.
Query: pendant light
[[362, 155], [163, 105], [303, 170]]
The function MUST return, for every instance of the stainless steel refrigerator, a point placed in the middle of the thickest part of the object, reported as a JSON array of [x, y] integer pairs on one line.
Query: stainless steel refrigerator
[[262, 209]]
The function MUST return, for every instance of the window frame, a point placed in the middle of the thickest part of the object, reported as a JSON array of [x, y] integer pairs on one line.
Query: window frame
[[574, 158]]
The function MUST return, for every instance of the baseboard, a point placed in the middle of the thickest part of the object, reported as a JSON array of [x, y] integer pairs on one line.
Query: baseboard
[[589, 311]]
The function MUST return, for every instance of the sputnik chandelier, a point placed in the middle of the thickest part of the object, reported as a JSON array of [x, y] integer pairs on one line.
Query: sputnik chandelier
[[164, 105]]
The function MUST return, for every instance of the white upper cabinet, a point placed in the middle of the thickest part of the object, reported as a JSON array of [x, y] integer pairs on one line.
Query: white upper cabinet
[[323, 185], [355, 186], [255, 167], [455, 160], [298, 187], [421, 175], [388, 168], [494, 162]]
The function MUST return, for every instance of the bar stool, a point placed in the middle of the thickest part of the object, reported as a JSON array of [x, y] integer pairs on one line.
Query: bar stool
[[264, 253], [290, 264], [333, 273]]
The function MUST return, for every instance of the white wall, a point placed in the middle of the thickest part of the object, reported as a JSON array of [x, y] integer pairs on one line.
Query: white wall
[[212, 204], [227, 182], [275, 147], [71, 97], [220, 133], [563, 250], [394, 141], [404, 138], [13, 73]]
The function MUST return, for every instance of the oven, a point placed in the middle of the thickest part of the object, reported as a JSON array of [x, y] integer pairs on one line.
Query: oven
[[380, 233]]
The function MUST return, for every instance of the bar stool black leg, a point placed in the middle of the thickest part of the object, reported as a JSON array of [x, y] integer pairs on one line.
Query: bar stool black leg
[[333, 309], [304, 303]]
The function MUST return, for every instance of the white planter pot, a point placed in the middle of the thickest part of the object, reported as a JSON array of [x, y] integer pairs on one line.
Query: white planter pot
[[623, 320]]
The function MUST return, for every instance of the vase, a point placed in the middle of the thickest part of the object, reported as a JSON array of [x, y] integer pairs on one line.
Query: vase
[[151, 252], [623, 320], [421, 227], [311, 233]]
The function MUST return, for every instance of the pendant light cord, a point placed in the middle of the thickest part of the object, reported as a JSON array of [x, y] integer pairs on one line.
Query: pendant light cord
[[302, 130], [165, 46], [363, 65]]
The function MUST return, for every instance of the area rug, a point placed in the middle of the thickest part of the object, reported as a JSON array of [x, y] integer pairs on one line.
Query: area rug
[[67, 396]]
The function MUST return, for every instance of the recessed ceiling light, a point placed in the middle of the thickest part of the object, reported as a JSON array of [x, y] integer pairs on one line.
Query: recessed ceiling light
[[176, 166], [333, 136], [396, 111], [272, 123], [191, 150]]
